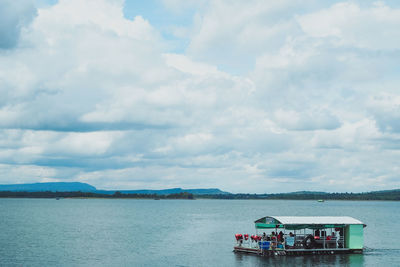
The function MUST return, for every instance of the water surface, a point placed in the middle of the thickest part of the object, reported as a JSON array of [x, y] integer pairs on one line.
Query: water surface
[[127, 232]]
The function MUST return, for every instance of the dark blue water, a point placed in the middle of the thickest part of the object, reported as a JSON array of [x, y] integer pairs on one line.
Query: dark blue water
[[102, 232]]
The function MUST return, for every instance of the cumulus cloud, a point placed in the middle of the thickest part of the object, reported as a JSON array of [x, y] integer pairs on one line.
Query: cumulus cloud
[[385, 107], [349, 24], [293, 120], [14, 16], [268, 97]]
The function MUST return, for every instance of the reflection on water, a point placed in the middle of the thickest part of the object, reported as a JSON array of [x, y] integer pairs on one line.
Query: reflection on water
[[307, 260]]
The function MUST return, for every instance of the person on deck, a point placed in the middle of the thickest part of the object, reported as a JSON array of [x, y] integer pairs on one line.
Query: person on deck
[[273, 240], [317, 233], [338, 245], [290, 241], [273, 235], [280, 236]]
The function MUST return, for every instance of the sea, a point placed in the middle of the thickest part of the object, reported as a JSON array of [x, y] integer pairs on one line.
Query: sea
[[139, 232]]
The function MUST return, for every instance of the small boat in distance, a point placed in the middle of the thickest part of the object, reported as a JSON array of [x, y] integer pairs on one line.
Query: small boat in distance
[[321, 200], [301, 235]]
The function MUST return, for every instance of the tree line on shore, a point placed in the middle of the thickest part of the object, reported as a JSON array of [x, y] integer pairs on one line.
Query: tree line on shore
[[79, 194], [378, 195]]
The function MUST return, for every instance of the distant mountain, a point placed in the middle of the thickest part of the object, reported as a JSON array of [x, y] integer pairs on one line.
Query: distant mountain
[[90, 191], [53, 187], [83, 187], [210, 191]]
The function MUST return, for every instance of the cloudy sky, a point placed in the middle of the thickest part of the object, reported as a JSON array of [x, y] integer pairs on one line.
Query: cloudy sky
[[246, 96]]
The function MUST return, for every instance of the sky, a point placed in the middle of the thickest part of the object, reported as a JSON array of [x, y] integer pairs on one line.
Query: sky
[[247, 96]]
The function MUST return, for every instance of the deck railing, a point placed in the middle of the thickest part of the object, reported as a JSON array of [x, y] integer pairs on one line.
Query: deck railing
[[299, 243], [323, 242]]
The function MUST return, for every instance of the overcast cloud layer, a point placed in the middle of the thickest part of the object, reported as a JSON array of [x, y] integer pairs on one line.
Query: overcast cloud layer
[[247, 96]]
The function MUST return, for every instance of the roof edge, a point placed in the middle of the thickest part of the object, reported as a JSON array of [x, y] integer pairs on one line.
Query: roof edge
[[311, 220]]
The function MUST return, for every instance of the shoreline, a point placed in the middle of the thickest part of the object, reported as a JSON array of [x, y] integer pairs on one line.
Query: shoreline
[[199, 198]]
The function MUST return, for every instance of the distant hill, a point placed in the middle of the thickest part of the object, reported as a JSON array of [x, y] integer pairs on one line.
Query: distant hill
[[83, 187], [76, 189], [214, 191], [210, 191], [52, 187]]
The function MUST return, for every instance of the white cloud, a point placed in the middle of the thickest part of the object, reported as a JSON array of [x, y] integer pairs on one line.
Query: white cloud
[[61, 21], [385, 108], [375, 27], [184, 64], [92, 143], [263, 100], [13, 17], [25, 173], [231, 34], [317, 119]]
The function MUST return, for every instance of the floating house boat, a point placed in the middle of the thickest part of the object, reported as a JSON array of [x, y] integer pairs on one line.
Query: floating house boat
[[299, 235]]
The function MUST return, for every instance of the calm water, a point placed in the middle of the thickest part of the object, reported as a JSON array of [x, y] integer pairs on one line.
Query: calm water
[[93, 232]]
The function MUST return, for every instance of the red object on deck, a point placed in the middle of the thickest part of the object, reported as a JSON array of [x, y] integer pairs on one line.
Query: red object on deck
[[246, 236], [238, 237]]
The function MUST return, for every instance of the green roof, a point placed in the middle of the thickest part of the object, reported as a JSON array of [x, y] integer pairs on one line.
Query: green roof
[[301, 222]]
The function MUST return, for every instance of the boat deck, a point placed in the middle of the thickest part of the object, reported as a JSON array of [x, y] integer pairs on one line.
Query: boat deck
[[278, 252]]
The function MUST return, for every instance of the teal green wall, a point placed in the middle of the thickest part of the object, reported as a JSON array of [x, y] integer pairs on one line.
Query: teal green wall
[[354, 236]]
